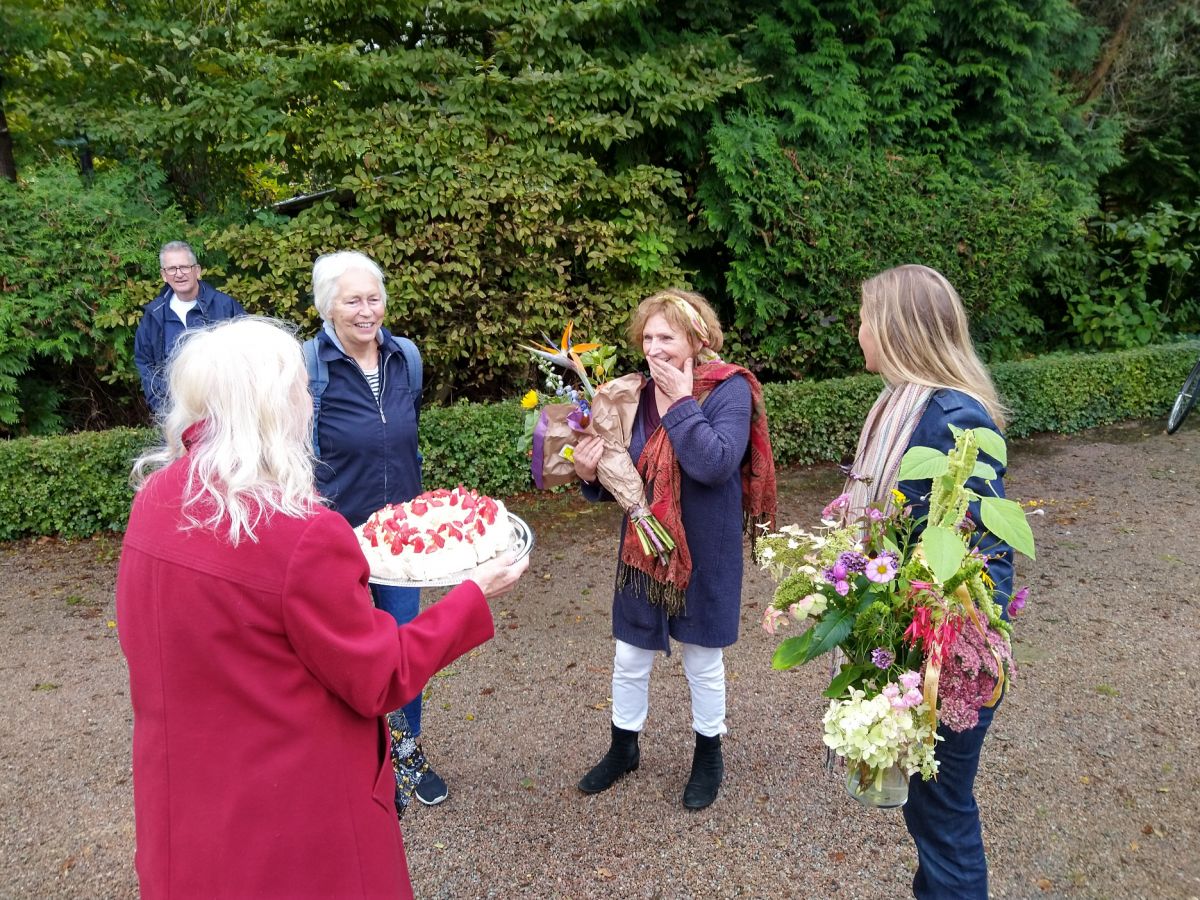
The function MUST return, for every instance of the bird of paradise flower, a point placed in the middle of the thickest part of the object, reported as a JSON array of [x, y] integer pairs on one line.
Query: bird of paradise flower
[[566, 355]]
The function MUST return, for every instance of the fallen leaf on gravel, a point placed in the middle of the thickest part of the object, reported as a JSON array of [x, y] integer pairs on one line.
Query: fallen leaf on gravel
[[604, 873], [1133, 845], [1044, 884], [46, 686], [439, 845], [837, 856], [487, 690], [68, 864], [111, 624]]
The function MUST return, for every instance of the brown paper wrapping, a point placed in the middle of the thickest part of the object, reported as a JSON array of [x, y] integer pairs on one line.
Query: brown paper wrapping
[[614, 408]]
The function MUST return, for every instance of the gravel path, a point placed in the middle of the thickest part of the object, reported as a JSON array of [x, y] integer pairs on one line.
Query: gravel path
[[1090, 784]]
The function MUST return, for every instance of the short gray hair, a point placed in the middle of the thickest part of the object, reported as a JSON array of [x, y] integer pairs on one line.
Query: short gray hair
[[172, 246], [328, 271]]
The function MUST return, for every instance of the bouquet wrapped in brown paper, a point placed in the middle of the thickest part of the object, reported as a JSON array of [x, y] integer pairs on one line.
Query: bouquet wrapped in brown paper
[[607, 411]]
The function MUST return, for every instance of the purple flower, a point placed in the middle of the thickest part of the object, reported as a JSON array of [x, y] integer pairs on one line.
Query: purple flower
[[842, 587], [853, 561], [839, 571], [1017, 603], [882, 658]]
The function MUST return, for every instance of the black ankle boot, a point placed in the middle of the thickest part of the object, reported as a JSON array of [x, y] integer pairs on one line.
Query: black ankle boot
[[708, 768], [622, 756]]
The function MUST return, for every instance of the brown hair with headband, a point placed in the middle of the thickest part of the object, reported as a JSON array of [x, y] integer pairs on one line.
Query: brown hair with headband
[[685, 310]]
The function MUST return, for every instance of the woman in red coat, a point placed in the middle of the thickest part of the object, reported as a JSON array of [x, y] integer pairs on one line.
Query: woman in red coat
[[259, 669]]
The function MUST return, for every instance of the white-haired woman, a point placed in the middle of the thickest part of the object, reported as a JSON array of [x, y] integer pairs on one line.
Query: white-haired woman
[[259, 669], [366, 386], [913, 332]]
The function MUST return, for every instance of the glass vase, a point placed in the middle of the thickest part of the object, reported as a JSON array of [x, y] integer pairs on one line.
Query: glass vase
[[877, 788]]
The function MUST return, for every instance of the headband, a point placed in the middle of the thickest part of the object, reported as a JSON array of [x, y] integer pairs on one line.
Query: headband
[[698, 325]]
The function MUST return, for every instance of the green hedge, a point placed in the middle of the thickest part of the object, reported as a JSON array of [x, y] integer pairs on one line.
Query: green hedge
[[76, 485]]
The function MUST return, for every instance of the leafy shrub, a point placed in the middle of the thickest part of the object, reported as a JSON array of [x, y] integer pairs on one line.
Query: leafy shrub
[[71, 485], [805, 229], [77, 484], [76, 264], [1143, 284]]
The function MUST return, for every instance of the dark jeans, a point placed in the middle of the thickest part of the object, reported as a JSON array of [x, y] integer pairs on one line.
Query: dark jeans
[[943, 819], [402, 604]]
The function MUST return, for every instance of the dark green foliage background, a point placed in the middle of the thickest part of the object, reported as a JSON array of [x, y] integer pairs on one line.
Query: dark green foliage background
[[515, 165]]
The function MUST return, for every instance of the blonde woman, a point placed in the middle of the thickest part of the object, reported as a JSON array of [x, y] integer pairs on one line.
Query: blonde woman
[[914, 333], [259, 670]]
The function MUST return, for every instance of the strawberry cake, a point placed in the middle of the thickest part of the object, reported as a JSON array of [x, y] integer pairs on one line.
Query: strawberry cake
[[434, 535]]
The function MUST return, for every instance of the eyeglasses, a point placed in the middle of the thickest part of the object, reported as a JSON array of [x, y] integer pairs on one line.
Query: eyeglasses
[[176, 270]]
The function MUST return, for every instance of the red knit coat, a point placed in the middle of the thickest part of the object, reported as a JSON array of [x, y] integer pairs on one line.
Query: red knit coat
[[258, 677]]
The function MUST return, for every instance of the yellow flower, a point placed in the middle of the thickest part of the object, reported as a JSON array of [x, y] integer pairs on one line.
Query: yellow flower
[[530, 400], [898, 498]]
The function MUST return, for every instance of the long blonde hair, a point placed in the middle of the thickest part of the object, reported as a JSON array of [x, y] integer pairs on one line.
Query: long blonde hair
[[920, 329], [243, 382]]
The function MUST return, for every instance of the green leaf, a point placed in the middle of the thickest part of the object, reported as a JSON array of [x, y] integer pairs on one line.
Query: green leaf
[[920, 463], [792, 651], [846, 677], [1006, 520], [984, 471], [992, 444], [944, 550], [833, 629]]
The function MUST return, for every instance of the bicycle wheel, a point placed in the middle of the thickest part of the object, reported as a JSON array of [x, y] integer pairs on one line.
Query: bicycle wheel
[[1185, 401]]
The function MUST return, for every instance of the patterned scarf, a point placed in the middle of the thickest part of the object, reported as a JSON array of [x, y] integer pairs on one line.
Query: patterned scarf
[[666, 585], [885, 436]]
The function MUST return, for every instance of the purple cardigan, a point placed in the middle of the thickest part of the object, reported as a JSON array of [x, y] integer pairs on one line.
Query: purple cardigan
[[710, 442]]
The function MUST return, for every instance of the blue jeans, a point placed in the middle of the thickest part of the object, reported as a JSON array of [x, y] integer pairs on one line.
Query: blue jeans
[[402, 604], [943, 819]]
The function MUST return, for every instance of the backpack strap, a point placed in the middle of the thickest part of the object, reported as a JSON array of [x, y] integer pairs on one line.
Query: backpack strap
[[412, 363], [318, 380]]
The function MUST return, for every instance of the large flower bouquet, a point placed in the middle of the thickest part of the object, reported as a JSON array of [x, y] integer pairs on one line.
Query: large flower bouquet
[[570, 408], [908, 604]]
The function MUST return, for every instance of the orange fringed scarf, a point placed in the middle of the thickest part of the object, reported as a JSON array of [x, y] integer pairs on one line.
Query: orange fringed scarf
[[667, 583]]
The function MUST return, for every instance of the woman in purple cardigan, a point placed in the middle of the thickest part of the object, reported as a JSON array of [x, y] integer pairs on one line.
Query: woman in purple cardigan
[[700, 443]]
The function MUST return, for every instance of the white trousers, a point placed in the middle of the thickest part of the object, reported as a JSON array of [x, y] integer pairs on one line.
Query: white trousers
[[705, 670]]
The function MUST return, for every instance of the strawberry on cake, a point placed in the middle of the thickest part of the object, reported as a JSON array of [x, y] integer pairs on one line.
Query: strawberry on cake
[[434, 535]]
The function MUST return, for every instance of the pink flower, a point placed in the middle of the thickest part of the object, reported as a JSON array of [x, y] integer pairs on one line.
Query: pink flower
[[771, 619], [920, 630], [882, 568], [840, 502], [1017, 603], [910, 680]]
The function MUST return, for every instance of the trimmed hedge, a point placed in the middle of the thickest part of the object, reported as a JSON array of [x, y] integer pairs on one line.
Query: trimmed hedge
[[76, 485]]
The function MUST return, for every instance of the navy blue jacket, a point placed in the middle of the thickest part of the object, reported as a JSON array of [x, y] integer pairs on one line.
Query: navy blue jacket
[[369, 454], [948, 407], [160, 329]]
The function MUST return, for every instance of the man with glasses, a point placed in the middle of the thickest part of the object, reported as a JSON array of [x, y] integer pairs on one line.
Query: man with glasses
[[184, 302]]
